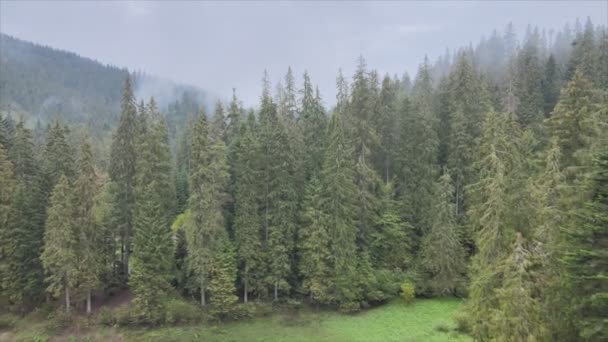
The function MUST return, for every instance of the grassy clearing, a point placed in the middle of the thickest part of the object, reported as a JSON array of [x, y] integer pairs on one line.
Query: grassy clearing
[[420, 321], [424, 320]]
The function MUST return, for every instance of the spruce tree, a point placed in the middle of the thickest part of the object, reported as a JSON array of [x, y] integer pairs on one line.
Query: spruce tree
[[8, 187], [313, 125], [387, 129], [279, 197], [443, 257], [516, 317], [234, 117], [315, 262], [218, 122], [488, 216], [550, 85], [223, 278], [23, 282], [586, 259], [247, 219], [466, 104], [391, 245], [209, 179], [60, 253], [152, 244], [529, 85], [58, 156], [339, 203], [88, 233], [576, 122], [122, 170], [418, 153]]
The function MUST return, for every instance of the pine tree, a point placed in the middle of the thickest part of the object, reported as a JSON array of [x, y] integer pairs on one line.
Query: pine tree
[[122, 170], [442, 252], [60, 255], [247, 220], [88, 234]]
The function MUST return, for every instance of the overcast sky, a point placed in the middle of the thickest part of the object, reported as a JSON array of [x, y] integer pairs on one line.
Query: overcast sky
[[217, 46]]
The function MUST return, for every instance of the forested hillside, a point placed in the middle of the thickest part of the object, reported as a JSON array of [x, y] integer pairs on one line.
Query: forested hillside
[[41, 84], [486, 178]]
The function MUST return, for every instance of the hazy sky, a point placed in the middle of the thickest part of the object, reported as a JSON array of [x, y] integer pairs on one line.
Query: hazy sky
[[217, 46]]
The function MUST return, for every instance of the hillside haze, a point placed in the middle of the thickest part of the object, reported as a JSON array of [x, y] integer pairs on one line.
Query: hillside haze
[[42, 83]]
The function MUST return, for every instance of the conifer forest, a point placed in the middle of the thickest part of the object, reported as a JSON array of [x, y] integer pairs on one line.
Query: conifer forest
[[483, 177]]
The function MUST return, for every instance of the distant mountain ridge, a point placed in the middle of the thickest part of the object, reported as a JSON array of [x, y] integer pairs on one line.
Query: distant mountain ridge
[[43, 83]]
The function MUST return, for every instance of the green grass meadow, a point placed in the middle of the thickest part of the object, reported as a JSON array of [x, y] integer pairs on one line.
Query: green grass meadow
[[396, 321], [424, 320]]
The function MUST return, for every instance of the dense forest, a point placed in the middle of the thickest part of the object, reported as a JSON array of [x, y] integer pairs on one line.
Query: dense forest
[[485, 177]]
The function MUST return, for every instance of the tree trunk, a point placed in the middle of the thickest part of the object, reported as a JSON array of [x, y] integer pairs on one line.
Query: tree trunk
[[89, 301], [203, 299], [127, 270], [245, 290], [276, 291], [67, 299]]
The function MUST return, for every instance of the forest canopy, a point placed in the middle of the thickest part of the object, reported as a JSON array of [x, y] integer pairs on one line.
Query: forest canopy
[[484, 177]]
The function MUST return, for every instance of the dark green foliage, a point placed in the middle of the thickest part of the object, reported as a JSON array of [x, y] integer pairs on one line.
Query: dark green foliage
[[391, 246], [60, 255], [339, 203], [529, 85], [223, 278], [152, 262], [313, 124], [315, 261], [296, 205], [38, 79], [418, 153], [23, 282], [58, 155], [279, 201], [489, 216], [586, 257], [550, 84], [8, 186], [122, 170], [575, 121], [247, 218], [442, 252], [89, 235]]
